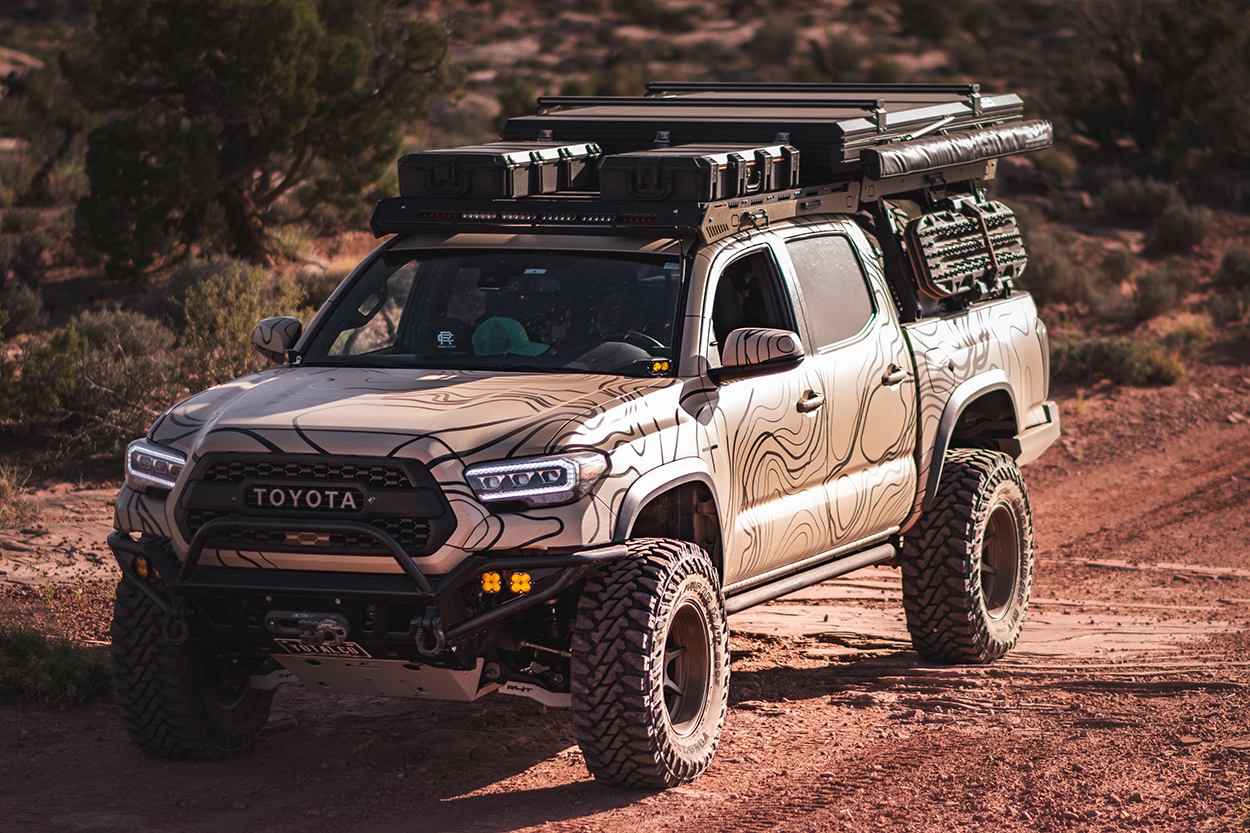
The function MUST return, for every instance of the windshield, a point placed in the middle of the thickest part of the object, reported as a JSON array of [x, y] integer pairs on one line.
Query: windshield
[[541, 311]]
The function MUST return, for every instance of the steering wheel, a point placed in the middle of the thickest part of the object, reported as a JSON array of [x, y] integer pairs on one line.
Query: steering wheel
[[637, 339]]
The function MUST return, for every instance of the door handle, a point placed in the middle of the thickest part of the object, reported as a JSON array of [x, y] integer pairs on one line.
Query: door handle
[[810, 402], [893, 376]]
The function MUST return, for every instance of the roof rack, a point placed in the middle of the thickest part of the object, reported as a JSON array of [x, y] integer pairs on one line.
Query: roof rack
[[896, 140], [896, 92]]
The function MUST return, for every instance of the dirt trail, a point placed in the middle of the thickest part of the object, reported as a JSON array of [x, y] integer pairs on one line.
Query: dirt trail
[[1122, 708]]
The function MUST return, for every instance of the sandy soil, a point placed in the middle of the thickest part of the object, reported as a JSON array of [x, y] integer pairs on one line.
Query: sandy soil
[[1122, 708]]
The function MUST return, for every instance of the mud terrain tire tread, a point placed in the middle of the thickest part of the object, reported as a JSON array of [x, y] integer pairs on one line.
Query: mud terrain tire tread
[[619, 711], [947, 613], [165, 706]]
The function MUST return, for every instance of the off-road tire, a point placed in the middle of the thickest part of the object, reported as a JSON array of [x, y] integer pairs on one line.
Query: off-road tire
[[172, 699], [647, 714], [968, 563]]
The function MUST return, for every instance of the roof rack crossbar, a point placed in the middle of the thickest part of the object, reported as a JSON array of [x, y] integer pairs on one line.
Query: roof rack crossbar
[[548, 101], [772, 87]]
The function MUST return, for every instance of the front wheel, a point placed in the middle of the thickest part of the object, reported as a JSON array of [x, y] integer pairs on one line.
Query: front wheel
[[179, 701], [968, 562], [651, 666]]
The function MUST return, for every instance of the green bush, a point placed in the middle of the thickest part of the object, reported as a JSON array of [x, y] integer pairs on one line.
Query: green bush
[[1187, 339], [1118, 265], [15, 506], [1235, 268], [1138, 199], [31, 260], [126, 378], [1052, 276], [124, 333], [56, 673], [1162, 289], [221, 313], [655, 14], [24, 305], [776, 40], [49, 374], [1179, 229], [1075, 358]]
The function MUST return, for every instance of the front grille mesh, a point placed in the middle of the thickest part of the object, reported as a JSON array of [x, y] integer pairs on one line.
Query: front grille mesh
[[414, 534], [411, 533], [377, 476]]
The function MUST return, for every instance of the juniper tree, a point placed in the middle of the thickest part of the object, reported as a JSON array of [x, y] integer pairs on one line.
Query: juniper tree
[[217, 108]]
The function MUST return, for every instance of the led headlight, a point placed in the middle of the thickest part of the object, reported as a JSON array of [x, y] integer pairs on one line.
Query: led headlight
[[538, 481], [149, 466]]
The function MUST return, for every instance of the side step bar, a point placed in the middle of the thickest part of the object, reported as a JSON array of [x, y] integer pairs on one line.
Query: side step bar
[[790, 584]]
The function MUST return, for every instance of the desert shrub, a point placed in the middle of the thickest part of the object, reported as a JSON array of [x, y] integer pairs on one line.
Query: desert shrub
[[841, 57], [1056, 165], [184, 277], [24, 305], [1052, 275], [1235, 267], [39, 671], [1118, 265], [124, 333], [221, 313], [776, 40], [1161, 289], [885, 70], [21, 220], [1075, 358], [67, 183], [519, 98], [125, 379], [292, 240], [1187, 339], [48, 375], [15, 505], [1179, 229], [317, 285], [655, 14], [1138, 199], [30, 261]]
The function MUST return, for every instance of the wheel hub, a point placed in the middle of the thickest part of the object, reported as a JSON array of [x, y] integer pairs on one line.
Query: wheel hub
[[1000, 560], [687, 668]]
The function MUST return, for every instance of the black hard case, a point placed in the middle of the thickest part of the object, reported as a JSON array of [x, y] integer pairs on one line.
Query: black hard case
[[830, 134], [499, 170], [698, 173]]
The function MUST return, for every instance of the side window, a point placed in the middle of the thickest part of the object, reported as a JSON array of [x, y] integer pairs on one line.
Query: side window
[[749, 294], [835, 290]]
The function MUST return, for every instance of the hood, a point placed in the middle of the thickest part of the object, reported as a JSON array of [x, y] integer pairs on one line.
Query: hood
[[370, 411]]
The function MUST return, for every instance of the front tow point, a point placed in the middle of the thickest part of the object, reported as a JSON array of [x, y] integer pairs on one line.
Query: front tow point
[[316, 630]]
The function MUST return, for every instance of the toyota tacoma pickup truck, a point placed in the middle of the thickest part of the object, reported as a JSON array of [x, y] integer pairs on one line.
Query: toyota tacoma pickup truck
[[644, 363]]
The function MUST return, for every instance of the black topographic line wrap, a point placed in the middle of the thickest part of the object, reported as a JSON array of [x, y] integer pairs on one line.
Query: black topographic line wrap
[[959, 148]]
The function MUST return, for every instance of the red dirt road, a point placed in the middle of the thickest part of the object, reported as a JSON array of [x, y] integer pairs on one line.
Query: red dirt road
[[1124, 707]]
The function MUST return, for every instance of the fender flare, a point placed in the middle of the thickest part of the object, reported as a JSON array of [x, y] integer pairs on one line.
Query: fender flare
[[658, 481], [963, 394]]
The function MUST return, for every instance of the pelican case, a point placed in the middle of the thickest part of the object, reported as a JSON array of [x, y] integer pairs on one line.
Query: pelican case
[[698, 173], [499, 170], [973, 249]]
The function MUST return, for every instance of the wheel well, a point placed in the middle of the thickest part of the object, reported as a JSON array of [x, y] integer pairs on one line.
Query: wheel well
[[684, 513], [986, 422]]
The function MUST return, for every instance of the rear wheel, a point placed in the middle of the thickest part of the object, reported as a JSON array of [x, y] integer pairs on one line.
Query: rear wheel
[[179, 701], [968, 563], [651, 666]]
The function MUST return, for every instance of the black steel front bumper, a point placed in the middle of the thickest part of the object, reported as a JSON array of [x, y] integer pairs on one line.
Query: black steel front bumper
[[230, 602]]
